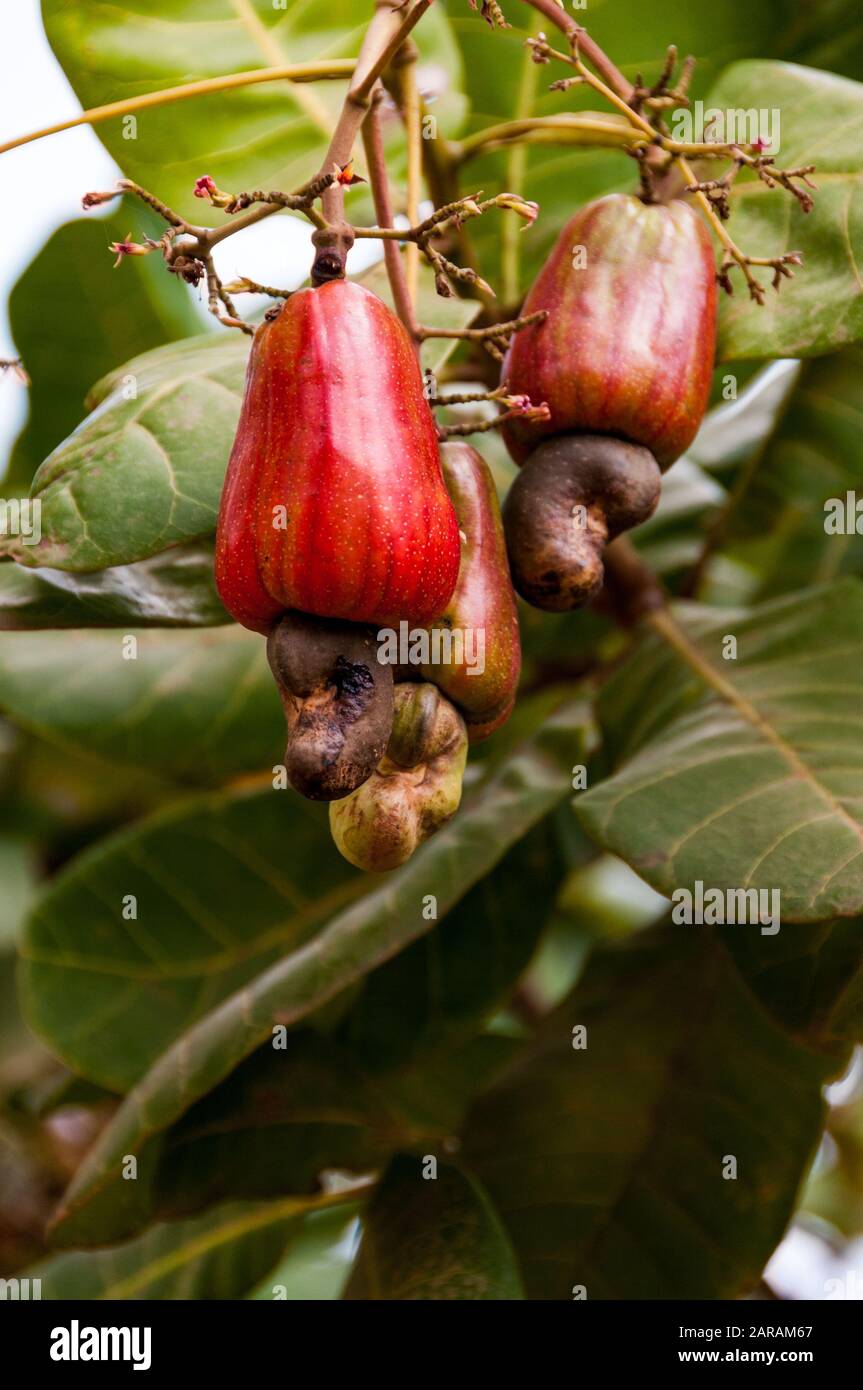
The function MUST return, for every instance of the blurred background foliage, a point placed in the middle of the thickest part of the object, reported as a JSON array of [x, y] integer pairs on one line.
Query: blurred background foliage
[[147, 776]]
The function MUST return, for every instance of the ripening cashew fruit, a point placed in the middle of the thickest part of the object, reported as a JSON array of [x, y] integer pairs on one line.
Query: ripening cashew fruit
[[338, 703], [480, 622], [624, 362], [334, 502], [415, 789]]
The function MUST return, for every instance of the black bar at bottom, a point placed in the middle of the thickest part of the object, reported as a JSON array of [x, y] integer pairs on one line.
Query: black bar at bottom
[[261, 1339]]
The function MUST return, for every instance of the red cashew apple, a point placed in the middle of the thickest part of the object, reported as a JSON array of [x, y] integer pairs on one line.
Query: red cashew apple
[[623, 361], [482, 610], [628, 345], [334, 503]]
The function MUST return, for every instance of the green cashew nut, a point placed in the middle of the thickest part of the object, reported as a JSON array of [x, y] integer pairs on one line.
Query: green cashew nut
[[414, 791]]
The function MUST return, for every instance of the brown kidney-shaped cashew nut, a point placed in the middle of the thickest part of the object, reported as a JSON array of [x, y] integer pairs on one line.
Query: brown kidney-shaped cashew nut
[[416, 788], [338, 702], [575, 493]]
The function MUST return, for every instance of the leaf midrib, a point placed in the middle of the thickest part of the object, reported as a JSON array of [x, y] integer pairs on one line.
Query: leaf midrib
[[669, 630]]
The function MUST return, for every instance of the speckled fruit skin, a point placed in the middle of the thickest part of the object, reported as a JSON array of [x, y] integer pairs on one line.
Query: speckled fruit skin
[[335, 429], [483, 597], [628, 346]]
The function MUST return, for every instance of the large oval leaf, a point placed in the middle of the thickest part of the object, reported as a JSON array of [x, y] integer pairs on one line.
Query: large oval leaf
[[98, 319], [269, 136], [198, 707], [220, 886], [400, 1067], [518, 794], [742, 773], [145, 470], [610, 1163], [175, 588], [821, 121]]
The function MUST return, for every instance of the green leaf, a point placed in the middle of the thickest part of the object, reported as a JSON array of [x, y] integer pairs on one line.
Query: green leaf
[[400, 1068], [778, 524], [295, 1114], [173, 589], [274, 135], [432, 1239], [742, 773], [609, 1163], [825, 36], [821, 120], [443, 986], [221, 885], [317, 1261], [198, 707], [98, 318], [403, 1061], [144, 471], [17, 876], [387, 919], [220, 1255], [810, 977], [286, 1115]]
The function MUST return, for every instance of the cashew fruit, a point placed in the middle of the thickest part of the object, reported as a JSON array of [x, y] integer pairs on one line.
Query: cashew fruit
[[334, 502], [627, 348], [415, 789], [480, 622]]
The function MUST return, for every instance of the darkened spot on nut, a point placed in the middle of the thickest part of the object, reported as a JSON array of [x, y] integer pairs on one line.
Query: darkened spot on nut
[[338, 702], [354, 685]]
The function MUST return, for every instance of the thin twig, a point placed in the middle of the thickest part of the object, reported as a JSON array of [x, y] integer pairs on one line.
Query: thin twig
[[374, 148], [335, 69], [390, 25]]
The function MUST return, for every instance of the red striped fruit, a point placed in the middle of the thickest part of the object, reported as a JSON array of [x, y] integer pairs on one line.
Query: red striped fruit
[[481, 614], [628, 345], [334, 503]]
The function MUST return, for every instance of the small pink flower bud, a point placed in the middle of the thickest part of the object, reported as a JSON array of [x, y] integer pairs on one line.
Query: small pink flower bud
[[205, 187], [523, 207], [94, 200], [128, 248]]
